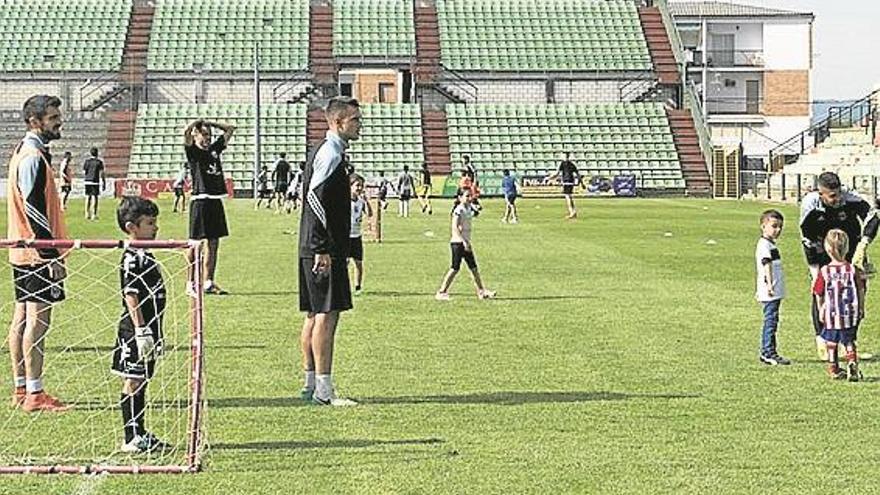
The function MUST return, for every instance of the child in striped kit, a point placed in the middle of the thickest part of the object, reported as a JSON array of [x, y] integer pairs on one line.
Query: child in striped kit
[[840, 296]]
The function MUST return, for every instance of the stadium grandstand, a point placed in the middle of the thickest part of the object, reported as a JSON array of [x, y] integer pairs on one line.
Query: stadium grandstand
[[513, 83]]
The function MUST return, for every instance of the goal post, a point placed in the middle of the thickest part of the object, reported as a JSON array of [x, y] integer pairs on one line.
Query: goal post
[[77, 352]]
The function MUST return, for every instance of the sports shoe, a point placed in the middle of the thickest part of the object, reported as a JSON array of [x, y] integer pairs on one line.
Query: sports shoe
[[154, 443], [835, 373], [514, 221], [41, 401], [853, 373], [821, 348], [18, 396], [333, 401], [486, 294], [144, 444], [215, 290], [191, 289], [306, 394], [442, 296], [773, 359]]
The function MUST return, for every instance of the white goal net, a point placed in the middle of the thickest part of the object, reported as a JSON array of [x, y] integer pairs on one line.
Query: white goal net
[[78, 352]]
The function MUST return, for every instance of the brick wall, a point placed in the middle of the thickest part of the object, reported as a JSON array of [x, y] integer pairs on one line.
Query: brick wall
[[786, 93]]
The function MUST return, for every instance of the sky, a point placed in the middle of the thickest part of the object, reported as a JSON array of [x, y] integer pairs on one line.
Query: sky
[[846, 44]]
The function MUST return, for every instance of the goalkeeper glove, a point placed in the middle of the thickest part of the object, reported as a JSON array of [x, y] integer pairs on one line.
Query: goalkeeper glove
[[143, 338], [858, 259]]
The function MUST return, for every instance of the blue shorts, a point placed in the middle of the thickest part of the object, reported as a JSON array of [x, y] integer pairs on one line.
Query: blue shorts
[[511, 198], [845, 337]]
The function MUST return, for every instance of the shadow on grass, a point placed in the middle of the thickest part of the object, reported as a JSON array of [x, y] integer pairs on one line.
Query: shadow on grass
[[261, 293], [519, 398], [231, 402], [324, 444], [542, 298]]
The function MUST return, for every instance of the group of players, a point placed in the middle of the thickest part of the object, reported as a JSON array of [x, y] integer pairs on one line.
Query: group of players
[[288, 185], [836, 227]]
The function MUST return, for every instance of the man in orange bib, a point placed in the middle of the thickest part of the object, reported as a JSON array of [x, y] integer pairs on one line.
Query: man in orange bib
[[34, 212]]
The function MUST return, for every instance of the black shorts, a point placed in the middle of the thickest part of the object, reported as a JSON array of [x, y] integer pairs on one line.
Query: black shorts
[[458, 254], [92, 190], [511, 198], [126, 360], [356, 248], [264, 193], [207, 219], [65, 188], [325, 292], [292, 196], [281, 187], [383, 195], [178, 192], [32, 284], [405, 195], [568, 189]]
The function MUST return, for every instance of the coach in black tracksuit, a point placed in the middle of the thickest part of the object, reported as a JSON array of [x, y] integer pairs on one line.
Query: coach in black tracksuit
[[831, 208], [324, 289]]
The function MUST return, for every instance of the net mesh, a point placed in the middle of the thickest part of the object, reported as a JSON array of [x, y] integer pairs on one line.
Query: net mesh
[[78, 353]]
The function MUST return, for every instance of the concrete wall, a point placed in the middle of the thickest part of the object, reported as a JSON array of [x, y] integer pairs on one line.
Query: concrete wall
[[209, 91], [787, 45], [13, 93], [588, 92]]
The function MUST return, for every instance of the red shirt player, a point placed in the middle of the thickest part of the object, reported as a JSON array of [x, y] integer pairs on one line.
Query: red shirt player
[[840, 294]]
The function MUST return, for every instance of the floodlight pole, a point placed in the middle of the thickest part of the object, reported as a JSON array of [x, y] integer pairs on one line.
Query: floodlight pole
[[256, 116]]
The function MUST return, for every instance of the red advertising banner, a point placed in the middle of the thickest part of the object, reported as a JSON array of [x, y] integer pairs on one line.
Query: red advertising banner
[[152, 188]]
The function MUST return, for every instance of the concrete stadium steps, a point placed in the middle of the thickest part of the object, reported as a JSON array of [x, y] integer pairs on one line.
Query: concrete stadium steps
[[321, 61], [687, 143], [435, 136], [427, 66], [658, 45], [81, 131], [120, 138]]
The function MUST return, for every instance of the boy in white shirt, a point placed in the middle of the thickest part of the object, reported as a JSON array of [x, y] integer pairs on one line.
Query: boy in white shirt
[[359, 206], [770, 285]]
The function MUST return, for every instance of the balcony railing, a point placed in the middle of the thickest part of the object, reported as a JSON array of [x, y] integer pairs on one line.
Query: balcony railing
[[733, 106], [729, 58]]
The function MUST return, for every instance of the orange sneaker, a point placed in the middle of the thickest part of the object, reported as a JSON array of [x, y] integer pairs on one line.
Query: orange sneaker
[[41, 401], [18, 396]]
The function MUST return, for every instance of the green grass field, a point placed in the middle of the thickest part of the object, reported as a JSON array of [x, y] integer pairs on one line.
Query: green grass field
[[615, 360]]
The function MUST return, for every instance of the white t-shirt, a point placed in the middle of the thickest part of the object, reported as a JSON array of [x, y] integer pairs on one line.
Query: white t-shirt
[[463, 214], [357, 213], [766, 252]]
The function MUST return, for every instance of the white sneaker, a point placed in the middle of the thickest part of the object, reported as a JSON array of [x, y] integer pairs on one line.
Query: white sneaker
[[486, 294], [333, 401], [191, 289], [442, 296], [514, 221]]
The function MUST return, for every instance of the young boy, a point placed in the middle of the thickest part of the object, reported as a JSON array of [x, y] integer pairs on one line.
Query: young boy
[[263, 188], [840, 296], [384, 185], [139, 337], [405, 186], [66, 178], [179, 195], [770, 285], [425, 193], [460, 243], [508, 187], [294, 188], [359, 205]]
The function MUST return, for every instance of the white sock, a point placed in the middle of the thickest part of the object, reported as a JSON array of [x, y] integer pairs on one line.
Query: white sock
[[324, 386], [34, 386], [208, 284], [310, 380], [20, 381]]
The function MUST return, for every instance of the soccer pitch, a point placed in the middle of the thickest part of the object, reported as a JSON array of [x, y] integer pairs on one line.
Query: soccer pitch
[[616, 359]]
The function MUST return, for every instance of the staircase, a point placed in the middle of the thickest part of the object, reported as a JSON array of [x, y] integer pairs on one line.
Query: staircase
[[427, 66], [687, 143], [120, 138], [321, 62], [658, 45], [435, 139], [132, 75], [316, 127]]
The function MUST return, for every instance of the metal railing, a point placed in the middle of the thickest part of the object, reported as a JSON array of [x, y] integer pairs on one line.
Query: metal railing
[[287, 86], [809, 138], [95, 87], [734, 105], [729, 58], [692, 103], [459, 84], [780, 186]]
